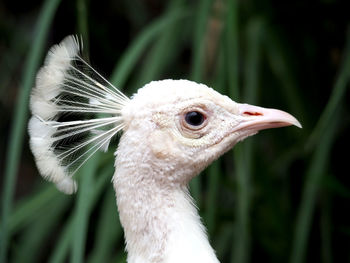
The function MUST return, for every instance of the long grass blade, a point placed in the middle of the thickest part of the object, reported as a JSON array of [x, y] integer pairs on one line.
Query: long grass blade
[[159, 57], [61, 250], [128, 61], [326, 228], [336, 97], [319, 161], [110, 230], [35, 236], [82, 210], [82, 21], [27, 210], [314, 175], [63, 242], [14, 147]]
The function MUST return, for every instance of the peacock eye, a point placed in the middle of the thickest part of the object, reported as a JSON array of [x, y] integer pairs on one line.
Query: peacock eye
[[193, 122], [194, 118]]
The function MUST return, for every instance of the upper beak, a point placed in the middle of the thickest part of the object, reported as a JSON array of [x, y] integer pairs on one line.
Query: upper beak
[[257, 118]]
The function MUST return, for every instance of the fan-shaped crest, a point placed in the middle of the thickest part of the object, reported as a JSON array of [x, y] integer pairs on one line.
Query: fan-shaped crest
[[75, 113]]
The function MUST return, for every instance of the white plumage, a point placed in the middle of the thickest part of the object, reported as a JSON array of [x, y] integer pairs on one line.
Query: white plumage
[[61, 90], [172, 130]]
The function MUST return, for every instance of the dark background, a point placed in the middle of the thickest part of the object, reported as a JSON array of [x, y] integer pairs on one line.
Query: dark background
[[291, 201]]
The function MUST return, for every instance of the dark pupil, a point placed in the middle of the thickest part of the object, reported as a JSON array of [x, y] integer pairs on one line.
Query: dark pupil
[[194, 118]]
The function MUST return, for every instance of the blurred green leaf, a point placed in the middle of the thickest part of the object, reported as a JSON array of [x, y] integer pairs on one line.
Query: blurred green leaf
[[29, 209], [336, 97], [14, 147], [83, 209], [158, 57], [128, 61], [33, 239], [109, 230]]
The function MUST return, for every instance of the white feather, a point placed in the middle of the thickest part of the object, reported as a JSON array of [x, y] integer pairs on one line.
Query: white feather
[[48, 165], [51, 76], [62, 88]]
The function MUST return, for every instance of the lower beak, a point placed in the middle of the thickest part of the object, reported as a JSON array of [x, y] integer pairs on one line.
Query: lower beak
[[255, 118]]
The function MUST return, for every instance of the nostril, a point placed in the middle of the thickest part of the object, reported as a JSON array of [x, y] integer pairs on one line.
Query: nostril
[[252, 113]]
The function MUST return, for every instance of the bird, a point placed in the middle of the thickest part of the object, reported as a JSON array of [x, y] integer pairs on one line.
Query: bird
[[170, 130]]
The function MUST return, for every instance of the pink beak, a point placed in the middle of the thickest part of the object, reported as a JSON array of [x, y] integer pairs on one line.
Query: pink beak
[[257, 118]]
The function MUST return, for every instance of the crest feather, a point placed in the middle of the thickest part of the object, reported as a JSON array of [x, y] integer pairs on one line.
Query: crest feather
[[75, 113]]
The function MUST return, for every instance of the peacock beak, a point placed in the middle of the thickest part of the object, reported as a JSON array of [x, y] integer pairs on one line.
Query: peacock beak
[[254, 118]]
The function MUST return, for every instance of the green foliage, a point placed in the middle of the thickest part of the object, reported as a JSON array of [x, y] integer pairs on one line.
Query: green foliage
[[280, 195]]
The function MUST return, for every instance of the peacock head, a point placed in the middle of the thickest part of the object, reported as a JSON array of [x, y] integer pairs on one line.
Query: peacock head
[[190, 124]]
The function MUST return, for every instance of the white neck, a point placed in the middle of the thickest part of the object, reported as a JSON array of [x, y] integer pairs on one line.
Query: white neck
[[188, 241], [159, 219]]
